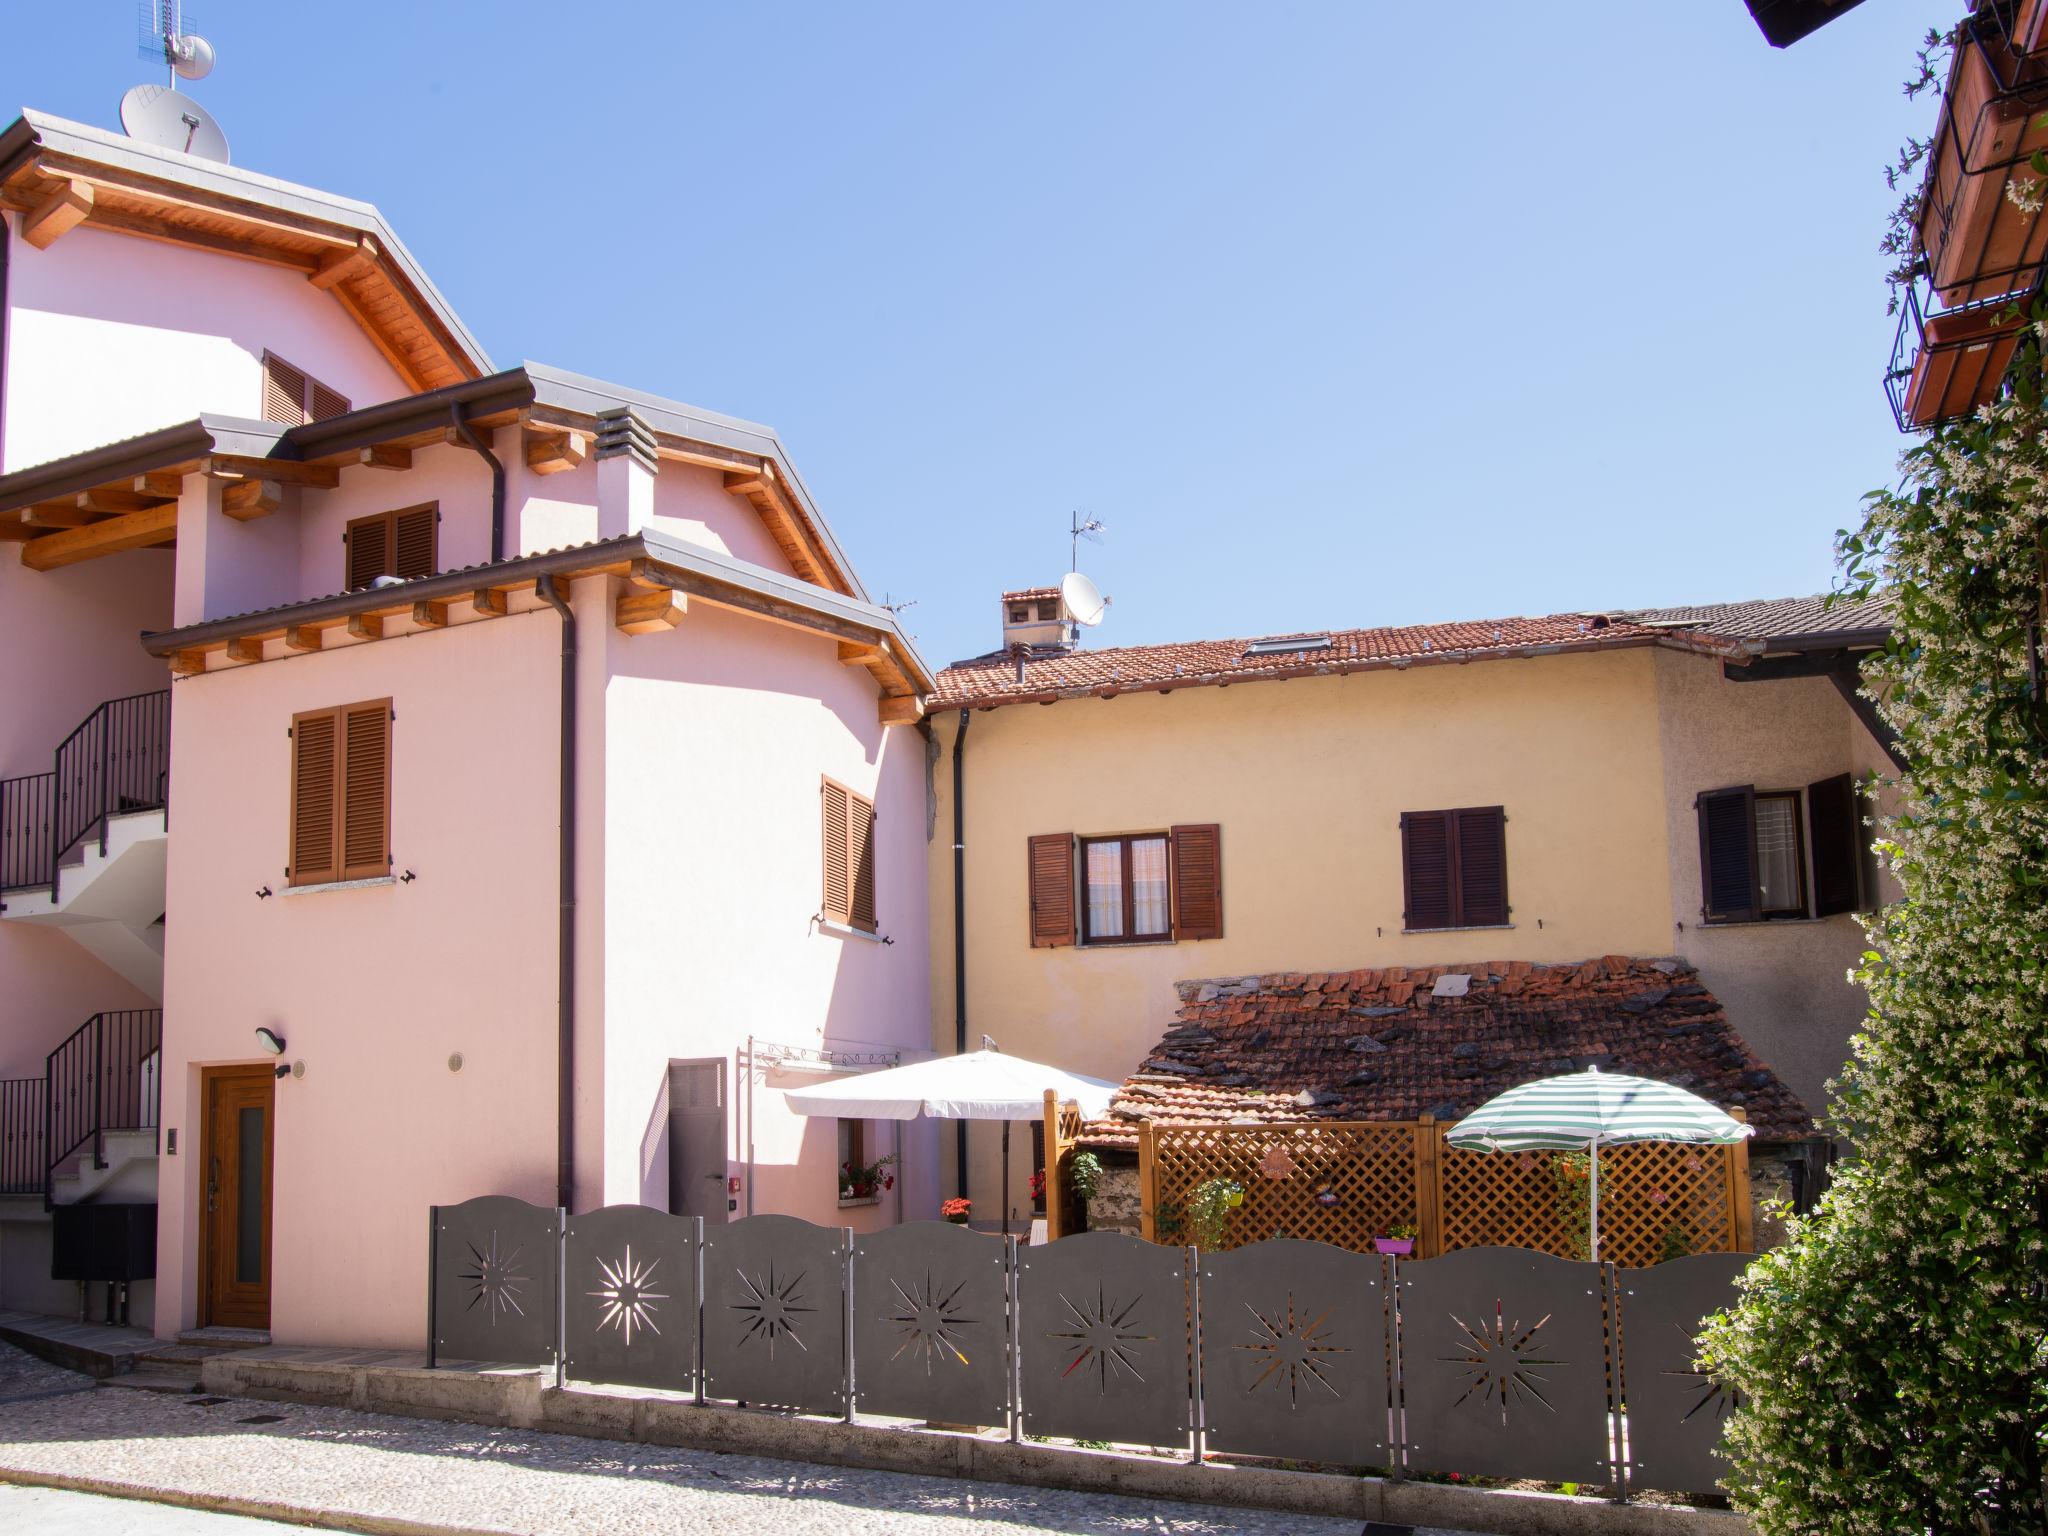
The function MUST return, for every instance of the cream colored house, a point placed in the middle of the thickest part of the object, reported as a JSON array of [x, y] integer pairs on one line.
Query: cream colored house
[[1652, 783]]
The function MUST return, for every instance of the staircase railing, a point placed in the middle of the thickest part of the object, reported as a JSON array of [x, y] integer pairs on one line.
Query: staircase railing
[[118, 760], [28, 807], [23, 1168], [106, 1077]]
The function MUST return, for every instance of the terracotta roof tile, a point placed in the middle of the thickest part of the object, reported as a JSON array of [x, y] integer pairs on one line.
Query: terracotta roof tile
[[998, 678], [1379, 1045], [1773, 618], [1032, 595]]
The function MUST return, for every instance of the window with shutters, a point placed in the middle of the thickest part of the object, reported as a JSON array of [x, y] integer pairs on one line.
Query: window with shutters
[[404, 544], [341, 794], [1754, 846], [849, 856], [293, 396], [1126, 887], [1454, 867]]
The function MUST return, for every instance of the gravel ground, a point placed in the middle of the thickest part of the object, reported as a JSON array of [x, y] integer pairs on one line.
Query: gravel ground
[[515, 1481]]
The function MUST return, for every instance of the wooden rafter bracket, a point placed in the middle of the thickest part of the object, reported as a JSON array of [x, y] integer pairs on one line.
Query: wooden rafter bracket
[[384, 456], [762, 490], [65, 206], [247, 500], [345, 265], [137, 530], [552, 452], [324, 477], [161, 484], [637, 611]]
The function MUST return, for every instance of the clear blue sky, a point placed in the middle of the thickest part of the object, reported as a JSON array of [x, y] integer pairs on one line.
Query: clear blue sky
[[1338, 314]]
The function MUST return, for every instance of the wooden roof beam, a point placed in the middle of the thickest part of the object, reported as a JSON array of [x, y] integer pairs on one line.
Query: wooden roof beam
[[324, 477], [759, 487], [384, 456], [899, 709], [110, 536], [345, 265], [59, 514], [247, 500], [161, 484], [64, 207], [549, 453], [637, 611]]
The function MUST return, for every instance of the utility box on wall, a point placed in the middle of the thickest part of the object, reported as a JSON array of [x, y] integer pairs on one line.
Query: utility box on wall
[[103, 1242]]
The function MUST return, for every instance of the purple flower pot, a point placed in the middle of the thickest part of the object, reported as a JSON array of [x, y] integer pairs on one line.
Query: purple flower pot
[[1402, 1247]]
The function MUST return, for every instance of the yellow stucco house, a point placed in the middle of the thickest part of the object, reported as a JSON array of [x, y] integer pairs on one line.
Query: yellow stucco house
[[1653, 783]]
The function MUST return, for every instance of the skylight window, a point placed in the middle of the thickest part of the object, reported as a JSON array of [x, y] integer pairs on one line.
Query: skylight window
[[1288, 647]]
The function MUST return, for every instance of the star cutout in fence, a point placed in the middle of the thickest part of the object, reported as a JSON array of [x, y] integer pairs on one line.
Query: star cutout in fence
[[1499, 1362], [496, 1280], [628, 1303], [1296, 1351], [1100, 1337], [928, 1318], [771, 1309]]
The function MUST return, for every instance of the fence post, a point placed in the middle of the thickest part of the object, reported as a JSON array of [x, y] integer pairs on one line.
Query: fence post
[[1055, 1196], [1429, 1213], [1148, 1180], [1741, 1211], [433, 1269]]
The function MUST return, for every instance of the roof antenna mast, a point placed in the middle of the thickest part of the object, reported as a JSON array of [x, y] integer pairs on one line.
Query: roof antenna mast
[[1081, 526], [161, 114]]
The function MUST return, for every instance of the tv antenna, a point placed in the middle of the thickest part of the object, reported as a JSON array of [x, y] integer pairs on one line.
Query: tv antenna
[[161, 114], [1080, 526]]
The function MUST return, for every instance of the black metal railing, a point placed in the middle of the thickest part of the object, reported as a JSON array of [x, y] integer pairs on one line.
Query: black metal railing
[[27, 817], [118, 760], [108, 1076], [23, 1168]]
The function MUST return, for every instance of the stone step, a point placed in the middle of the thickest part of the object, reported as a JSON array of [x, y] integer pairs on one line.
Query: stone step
[[151, 1377], [215, 1339]]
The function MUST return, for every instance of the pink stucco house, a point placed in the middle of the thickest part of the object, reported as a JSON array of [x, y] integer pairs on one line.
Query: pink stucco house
[[548, 792]]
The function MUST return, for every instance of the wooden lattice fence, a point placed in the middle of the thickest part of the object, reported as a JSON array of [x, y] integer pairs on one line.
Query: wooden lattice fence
[[1062, 1130], [1347, 1183]]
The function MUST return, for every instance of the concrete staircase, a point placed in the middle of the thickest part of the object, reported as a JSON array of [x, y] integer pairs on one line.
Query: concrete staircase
[[111, 904], [128, 1177]]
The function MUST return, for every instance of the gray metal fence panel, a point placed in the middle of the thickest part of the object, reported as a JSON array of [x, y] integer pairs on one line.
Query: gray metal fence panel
[[629, 1297], [494, 1281], [1294, 1352], [1103, 1325], [1503, 1365], [930, 1331], [775, 1314], [1673, 1412]]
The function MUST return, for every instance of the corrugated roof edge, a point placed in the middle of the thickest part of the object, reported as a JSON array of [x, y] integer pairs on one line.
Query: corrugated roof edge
[[40, 129], [580, 392], [203, 434]]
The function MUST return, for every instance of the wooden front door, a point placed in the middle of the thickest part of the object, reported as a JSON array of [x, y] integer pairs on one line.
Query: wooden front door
[[235, 1251]]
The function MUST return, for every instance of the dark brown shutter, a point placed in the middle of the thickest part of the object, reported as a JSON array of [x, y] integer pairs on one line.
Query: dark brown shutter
[[284, 392], [1426, 851], [366, 790], [838, 905], [1835, 822], [369, 551], [1197, 855], [1051, 861], [860, 851], [1482, 867], [1728, 888], [312, 857], [325, 402], [412, 542]]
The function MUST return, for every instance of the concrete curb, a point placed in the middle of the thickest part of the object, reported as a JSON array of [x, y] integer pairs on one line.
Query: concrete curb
[[522, 1399], [228, 1504]]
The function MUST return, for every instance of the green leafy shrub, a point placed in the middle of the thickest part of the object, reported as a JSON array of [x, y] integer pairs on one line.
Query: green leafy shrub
[[1084, 1174]]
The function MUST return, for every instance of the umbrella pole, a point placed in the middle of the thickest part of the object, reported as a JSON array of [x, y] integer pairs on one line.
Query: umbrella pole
[[1006, 1178], [1593, 1214]]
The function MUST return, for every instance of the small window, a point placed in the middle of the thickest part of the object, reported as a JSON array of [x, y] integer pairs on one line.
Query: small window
[[1048, 612], [404, 544], [1020, 613], [1126, 889], [1454, 867], [1288, 647], [859, 1181], [1137, 887], [295, 397], [1754, 851], [1780, 856], [341, 794], [849, 857]]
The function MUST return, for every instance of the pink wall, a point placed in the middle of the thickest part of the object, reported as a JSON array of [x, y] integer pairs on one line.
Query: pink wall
[[717, 733], [110, 335], [456, 478], [693, 503], [372, 987]]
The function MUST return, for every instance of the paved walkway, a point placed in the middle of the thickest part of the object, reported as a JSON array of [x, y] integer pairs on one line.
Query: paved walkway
[[467, 1478], [54, 1512]]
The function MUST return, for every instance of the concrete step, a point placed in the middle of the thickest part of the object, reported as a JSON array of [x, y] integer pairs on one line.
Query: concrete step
[[214, 1340], [170, 1379], [93, 1348]]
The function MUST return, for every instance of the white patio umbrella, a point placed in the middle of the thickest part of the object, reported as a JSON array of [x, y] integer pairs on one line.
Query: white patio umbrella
[[1585, 1111], [981, 1085]]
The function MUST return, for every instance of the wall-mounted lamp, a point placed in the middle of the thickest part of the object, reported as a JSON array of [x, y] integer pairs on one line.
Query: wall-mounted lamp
[[270, 1040]]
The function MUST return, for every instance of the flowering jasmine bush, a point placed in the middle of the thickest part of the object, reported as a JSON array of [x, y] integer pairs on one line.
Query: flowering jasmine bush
[[1891, 1359]]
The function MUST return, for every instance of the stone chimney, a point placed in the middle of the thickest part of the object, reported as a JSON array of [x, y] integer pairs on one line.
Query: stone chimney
[[1034, 618]]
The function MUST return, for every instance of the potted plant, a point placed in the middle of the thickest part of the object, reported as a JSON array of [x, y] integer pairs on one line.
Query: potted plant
[[957, 1210], [1210, 1209], [1400, 1240], [866, 1181]]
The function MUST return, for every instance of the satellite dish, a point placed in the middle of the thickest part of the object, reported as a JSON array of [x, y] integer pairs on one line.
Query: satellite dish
[[192, 56], [158, 115], [1081, 598]]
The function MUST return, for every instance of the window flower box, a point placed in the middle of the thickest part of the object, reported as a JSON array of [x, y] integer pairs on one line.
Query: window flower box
[[1946, 365]]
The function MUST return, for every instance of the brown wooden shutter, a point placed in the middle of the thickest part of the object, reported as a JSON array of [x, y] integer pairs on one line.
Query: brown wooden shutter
[[369, 551], [1482, 867], [412, 541], [1050, 858], [1426, 854], [838, 904], [1728, 888], [1836, 823], [366, 790], [325, 402], [313, 856], [860, 852], [1197, 859], [284, 392]]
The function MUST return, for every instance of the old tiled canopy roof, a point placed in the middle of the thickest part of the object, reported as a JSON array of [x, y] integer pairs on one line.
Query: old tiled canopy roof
[[1775, 618], [1383, 1045], [1032, 595], [1016, 676]]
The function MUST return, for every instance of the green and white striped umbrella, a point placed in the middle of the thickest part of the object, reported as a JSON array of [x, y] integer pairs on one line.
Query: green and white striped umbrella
[[1590, 1110], [1573, 1113]]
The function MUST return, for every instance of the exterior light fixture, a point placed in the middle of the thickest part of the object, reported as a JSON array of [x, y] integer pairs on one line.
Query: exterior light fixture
[[270, 1040]]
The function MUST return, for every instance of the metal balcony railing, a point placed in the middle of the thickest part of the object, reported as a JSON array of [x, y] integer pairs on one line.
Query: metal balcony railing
[[117, 761], [23, 1168], [108, 1076]]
